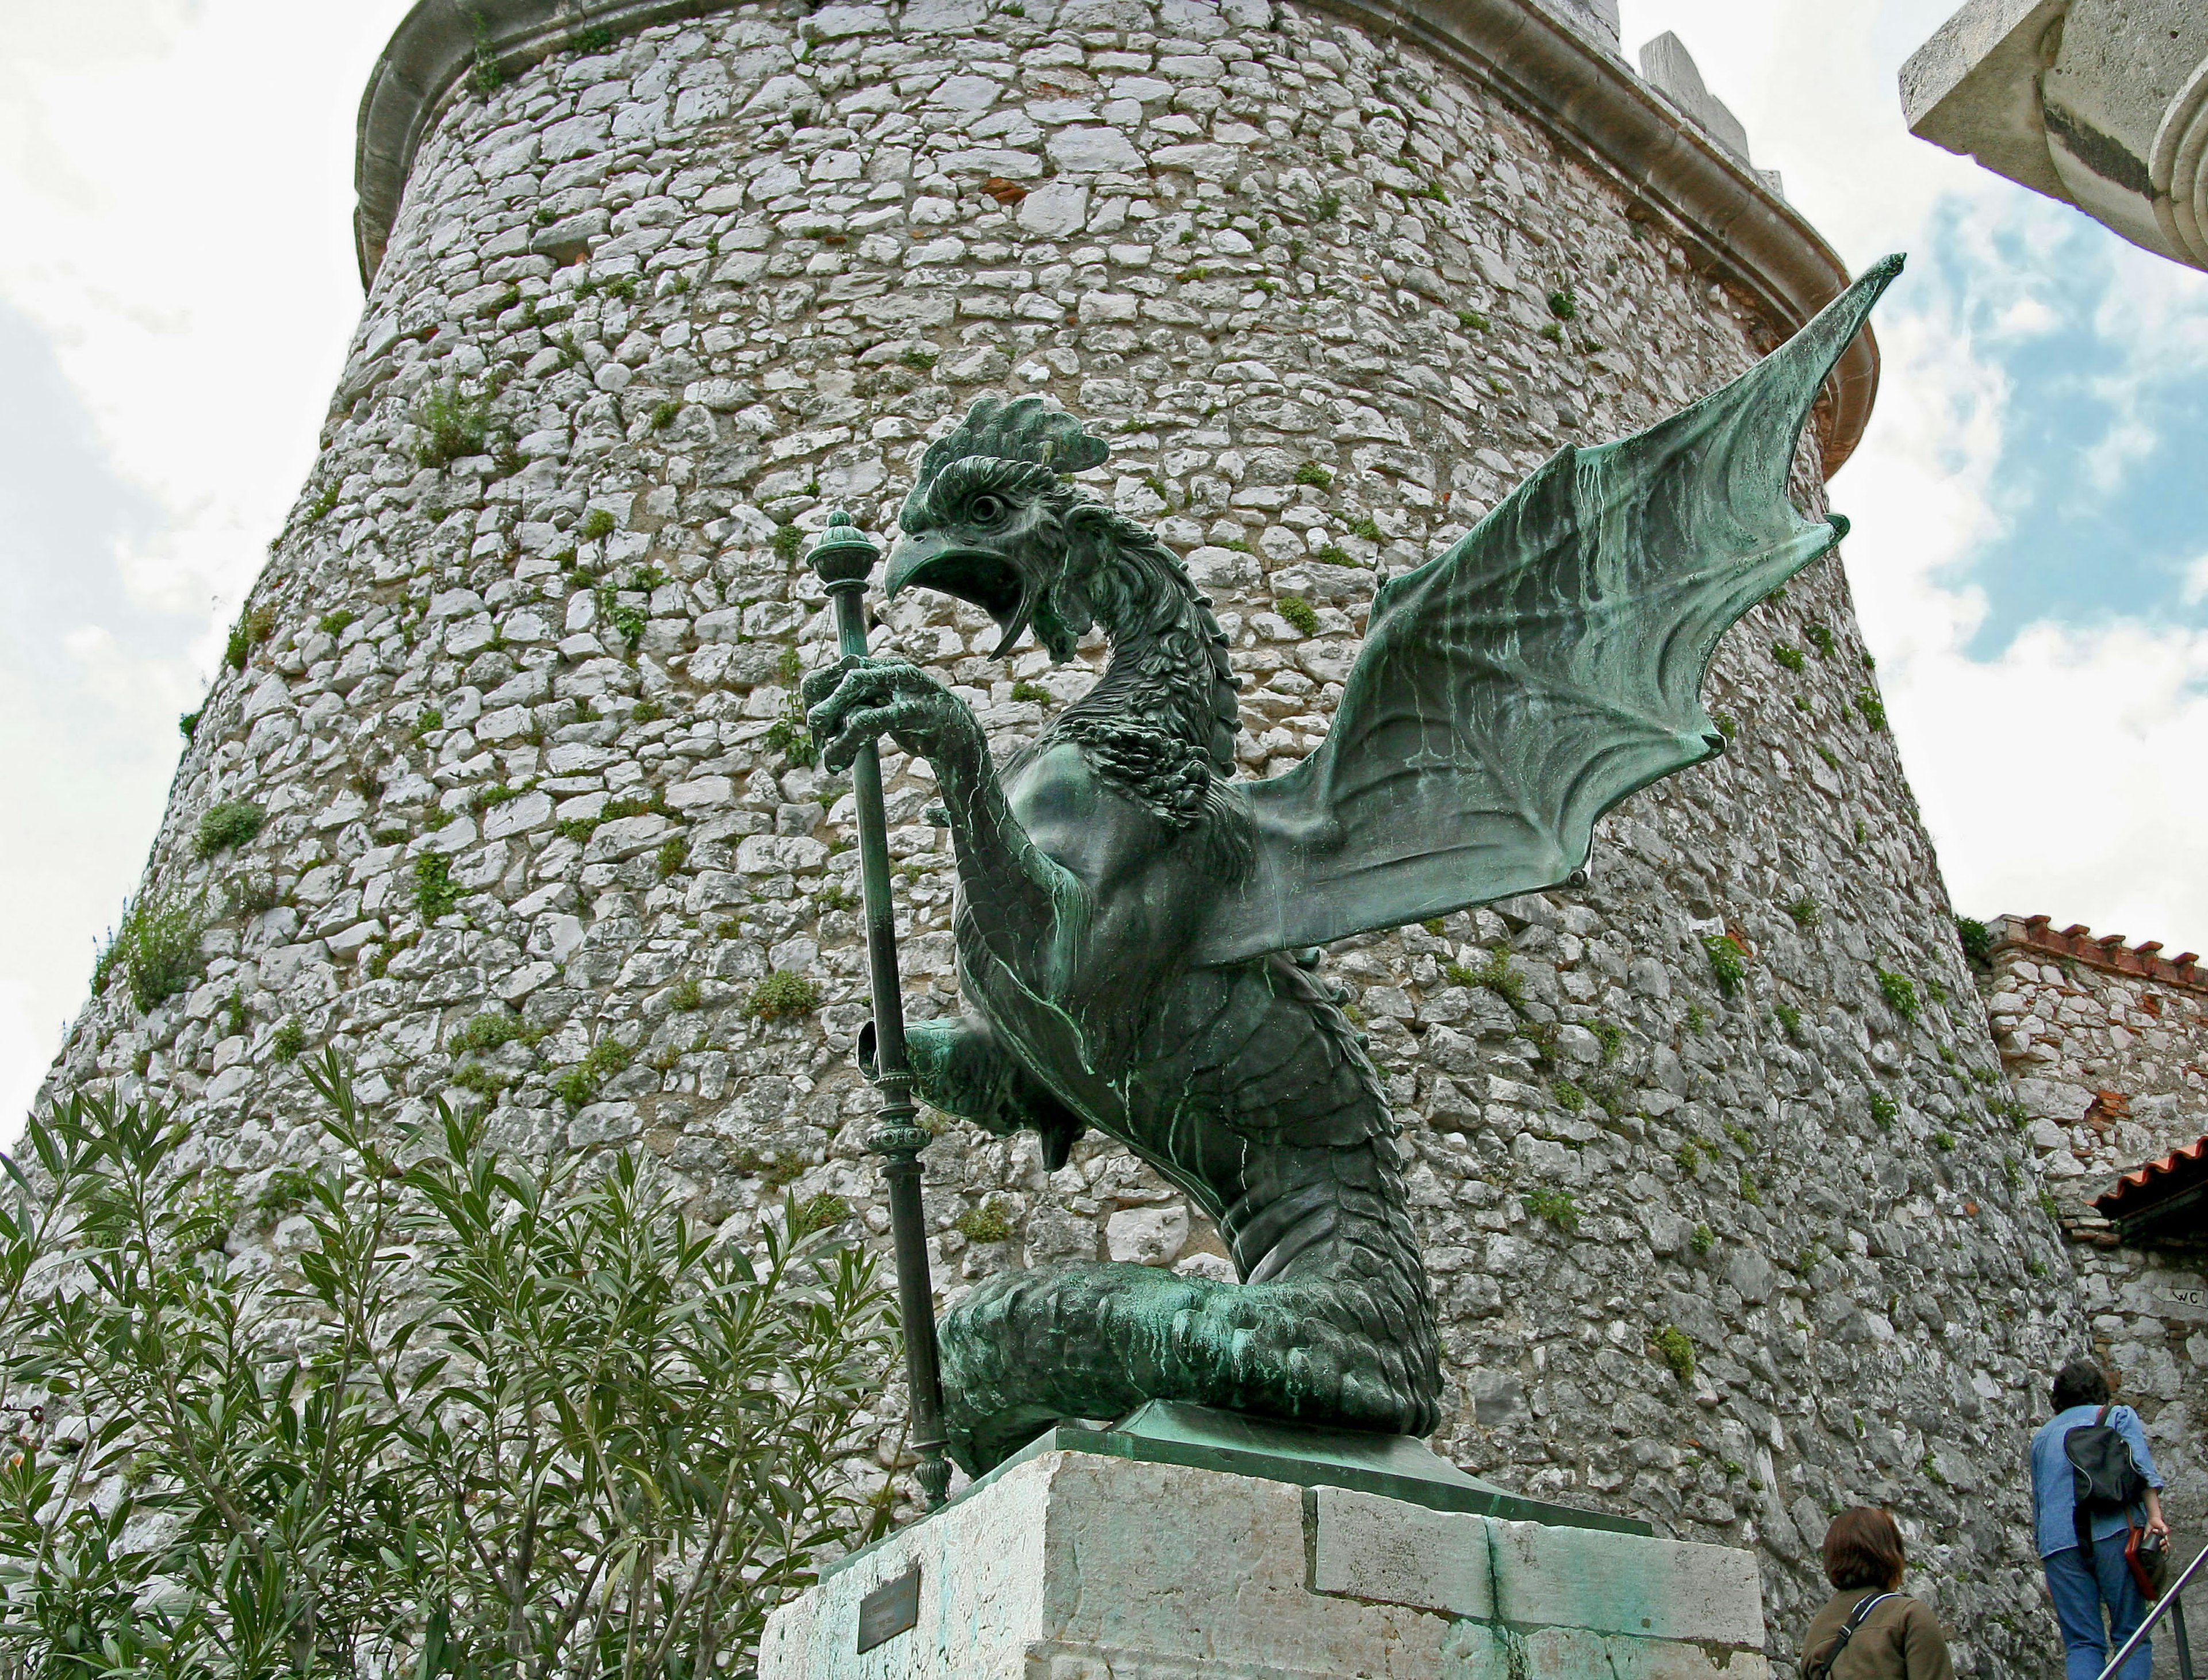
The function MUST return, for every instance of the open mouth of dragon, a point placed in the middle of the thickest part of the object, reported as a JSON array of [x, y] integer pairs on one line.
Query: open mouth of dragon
[[982, 576]]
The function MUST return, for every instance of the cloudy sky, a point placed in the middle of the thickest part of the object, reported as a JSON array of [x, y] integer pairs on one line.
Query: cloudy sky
[[177, 286]]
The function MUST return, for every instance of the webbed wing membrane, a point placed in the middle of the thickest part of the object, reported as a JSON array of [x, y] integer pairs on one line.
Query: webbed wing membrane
[[1547, 665]]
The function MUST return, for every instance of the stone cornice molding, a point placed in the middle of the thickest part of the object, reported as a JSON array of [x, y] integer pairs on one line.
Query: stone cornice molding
[[1736, 230]]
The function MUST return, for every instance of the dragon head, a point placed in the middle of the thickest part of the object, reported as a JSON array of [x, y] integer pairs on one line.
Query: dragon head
[[991, 521]]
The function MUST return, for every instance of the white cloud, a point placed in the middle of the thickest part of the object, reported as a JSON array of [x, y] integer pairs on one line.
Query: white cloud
[[2062, 775], [167, 344], [2027, 318]]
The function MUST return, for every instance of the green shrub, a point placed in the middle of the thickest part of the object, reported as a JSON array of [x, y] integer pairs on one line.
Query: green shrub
[[1311, 473], [1787, 655], [335, 624], [1563, 304], [1820, 638], [1788, 1017], [287, 1042], [1977, 939], [1806, 912], [597, 525], [251, 630], [156, 949], [452, 426], [688, 995], [1569, 1097], [823, 1212], [1558, 1207], [1676, 1351], [227, 825], [1728, 961], [578, 1085], [435, 891], [1473, 321], [480, 1079], [1703, 1239], [1944, 1142], [288, 1190], [488, 1030], [1872, 708], [188, 723], [1030, 694], [486, 75], [920, 358], [1299, 613], [987, 1223], [781, 996], [1366, 527], [787, 541], [1884, 1109], [706, 1411], [674, 852], [1498, 976], [789, 735], [1899, 993]]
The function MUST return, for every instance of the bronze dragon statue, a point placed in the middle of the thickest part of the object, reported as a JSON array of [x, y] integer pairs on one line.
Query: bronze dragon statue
[[1128, 914]]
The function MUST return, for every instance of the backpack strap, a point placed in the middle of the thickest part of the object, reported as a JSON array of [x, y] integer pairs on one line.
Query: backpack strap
[[2081, 1524], [1819, 1667]]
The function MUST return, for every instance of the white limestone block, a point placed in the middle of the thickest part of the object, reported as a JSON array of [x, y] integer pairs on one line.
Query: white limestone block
[[1076, 1566]]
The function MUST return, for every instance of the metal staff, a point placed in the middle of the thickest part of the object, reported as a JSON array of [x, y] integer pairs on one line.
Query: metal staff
[[844, 559]]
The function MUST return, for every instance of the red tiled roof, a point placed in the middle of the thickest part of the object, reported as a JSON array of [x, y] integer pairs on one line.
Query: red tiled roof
[[2141, 1189]]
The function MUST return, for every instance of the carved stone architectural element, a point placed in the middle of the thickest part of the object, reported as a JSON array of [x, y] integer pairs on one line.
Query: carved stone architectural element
[[2102, 104]]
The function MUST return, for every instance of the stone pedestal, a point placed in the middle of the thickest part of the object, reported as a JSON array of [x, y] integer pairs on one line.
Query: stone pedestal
[[1074, 1565]]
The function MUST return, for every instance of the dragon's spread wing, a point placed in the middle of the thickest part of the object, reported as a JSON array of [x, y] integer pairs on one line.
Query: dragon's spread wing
[[1516, 687]]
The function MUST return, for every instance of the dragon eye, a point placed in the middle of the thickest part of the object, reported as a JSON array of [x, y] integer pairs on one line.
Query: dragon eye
[[986, 509]]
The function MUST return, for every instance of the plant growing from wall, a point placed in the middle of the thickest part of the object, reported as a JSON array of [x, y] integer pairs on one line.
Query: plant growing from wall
[[1676, 1351], [227, 825], [155, 948], [1558, 1207], [781, 996], [1299, 612], [1728, 961], [492, 1471], [1899, 993], [452, 427]]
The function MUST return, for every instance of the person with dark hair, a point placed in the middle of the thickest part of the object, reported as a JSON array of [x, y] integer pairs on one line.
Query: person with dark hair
[[2083, 1551], [1871, 1629]]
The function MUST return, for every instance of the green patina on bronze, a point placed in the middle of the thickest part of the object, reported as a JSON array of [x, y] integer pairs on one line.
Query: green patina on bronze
[[1137, 931]]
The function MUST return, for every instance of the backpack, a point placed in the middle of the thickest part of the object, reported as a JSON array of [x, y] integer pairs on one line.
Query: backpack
[[1819, 1667], [2104, 1479]]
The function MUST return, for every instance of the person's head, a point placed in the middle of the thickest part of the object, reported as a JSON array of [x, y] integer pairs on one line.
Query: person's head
[[1862, 1548], [2080, 1382]]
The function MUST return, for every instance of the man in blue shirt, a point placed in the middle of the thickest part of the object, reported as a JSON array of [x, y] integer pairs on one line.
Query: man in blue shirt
[[2081, 1584]]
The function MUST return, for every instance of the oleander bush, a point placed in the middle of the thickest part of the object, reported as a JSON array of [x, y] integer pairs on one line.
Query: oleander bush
[[488, 1420]]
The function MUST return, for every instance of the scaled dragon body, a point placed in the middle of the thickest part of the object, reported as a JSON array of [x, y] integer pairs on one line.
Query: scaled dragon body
[[1126, 909]]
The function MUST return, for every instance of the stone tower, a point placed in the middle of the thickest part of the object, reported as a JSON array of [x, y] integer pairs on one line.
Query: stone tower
[[1725, 1233]]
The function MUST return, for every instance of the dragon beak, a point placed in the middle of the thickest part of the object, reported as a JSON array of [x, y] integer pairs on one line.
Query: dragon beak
[[935, 561]]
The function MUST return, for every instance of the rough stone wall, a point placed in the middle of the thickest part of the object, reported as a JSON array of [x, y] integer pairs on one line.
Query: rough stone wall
[[2107, 1048], [1727, 1249]]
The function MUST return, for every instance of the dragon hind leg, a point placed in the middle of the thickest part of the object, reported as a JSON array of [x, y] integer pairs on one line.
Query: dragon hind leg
[[1346, 1340]]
